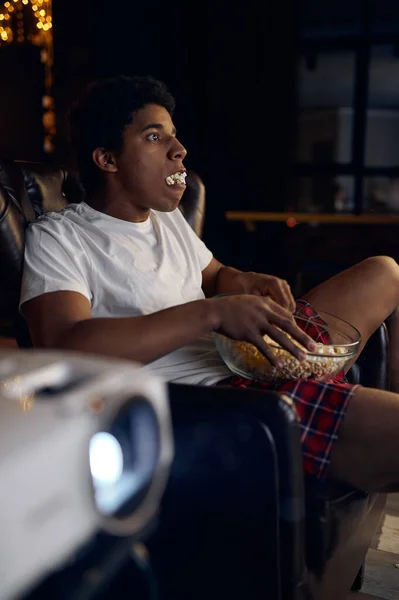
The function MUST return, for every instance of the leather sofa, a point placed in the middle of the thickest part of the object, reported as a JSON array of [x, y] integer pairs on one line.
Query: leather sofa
[[237, 489], [281, 540]]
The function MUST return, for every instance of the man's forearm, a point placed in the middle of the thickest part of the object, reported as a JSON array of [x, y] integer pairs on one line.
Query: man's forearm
[[229, 279], [143, 339]]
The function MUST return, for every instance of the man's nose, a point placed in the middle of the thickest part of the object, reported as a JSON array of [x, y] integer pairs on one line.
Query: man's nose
[[178, 151]]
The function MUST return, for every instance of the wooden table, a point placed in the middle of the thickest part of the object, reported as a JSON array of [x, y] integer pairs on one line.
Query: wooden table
[[292, 218]]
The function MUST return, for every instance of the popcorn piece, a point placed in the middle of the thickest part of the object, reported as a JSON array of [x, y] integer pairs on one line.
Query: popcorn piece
[[178, 177]]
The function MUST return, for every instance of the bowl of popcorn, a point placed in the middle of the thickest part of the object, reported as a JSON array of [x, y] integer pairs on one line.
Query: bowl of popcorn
[[337, 341]]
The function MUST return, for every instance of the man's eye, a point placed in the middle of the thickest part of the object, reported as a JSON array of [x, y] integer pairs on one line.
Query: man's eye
[[154, 137]]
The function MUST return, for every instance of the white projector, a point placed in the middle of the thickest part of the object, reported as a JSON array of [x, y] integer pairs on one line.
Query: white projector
[[85, 446]]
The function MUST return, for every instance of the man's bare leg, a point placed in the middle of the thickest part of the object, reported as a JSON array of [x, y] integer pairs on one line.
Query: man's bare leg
[[365, 295], [366, 454]]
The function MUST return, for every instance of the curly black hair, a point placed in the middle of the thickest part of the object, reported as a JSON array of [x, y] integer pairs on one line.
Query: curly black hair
[[99, 115]]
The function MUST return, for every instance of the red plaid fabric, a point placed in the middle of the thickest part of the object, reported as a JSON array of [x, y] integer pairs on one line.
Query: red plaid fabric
[[320, 405]]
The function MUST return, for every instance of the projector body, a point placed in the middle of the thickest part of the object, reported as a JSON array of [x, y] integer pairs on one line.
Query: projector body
[[51, 407]]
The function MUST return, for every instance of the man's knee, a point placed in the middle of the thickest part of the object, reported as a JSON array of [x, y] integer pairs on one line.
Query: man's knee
[[383, 264]]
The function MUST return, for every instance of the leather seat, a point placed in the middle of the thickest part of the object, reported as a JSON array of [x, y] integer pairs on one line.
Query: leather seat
[[236, 488], [336, 544]]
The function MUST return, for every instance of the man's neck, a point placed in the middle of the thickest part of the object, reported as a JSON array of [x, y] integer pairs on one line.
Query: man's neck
[[117, 205]]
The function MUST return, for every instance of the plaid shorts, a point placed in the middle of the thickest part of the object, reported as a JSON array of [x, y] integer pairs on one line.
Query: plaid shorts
[[320, 405]]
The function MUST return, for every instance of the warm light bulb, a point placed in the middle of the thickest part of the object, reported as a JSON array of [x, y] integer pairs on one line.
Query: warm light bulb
[[42, 13], [7, 17], [25, 1], [47, 101], [3, 35], [6, 4], [10, 9], [39, 25], [46, 27], [1, 17], [34, 7], [291, 222]]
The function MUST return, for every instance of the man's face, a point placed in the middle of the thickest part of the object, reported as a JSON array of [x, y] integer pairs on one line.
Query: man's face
[[151, 154]]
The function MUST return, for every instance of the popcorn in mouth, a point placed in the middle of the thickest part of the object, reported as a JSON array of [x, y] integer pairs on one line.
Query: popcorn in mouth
[[178, 177]]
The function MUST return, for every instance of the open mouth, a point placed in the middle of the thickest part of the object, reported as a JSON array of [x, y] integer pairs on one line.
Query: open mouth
[[177, 178]]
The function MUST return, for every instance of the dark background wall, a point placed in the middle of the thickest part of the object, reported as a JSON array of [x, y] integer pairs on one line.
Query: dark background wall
[[21, 91]]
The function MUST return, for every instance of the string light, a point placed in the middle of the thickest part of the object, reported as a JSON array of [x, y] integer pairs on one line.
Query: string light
[[22, 15]]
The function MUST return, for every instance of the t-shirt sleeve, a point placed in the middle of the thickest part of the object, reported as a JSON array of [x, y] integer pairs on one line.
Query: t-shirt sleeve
[[203, 253], [53, 262]]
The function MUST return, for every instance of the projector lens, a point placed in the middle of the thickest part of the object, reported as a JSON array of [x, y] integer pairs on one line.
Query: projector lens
[[106, 458], [124, 459]]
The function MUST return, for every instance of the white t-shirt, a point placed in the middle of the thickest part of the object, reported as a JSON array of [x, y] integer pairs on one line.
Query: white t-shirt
[[125, 269]]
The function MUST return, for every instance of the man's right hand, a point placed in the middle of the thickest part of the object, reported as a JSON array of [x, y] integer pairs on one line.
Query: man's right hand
[[248, 318], [63, 320]]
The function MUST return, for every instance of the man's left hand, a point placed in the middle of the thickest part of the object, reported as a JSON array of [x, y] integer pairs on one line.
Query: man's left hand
[[268, 285]]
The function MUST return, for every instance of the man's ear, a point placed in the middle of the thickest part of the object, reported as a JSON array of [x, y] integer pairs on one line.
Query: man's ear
[[105, 160]]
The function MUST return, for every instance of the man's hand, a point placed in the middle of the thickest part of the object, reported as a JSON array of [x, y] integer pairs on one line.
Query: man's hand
[[248, 317], [219, 279], [268, 285]]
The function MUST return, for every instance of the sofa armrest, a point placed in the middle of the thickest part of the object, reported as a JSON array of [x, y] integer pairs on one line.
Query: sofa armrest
[[371, 368], [232, 519]]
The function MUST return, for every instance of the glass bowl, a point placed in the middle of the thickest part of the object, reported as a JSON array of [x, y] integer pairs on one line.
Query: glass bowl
[[245, 360]]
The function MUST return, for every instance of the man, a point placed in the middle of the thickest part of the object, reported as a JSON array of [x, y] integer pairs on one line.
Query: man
[[122, 274]]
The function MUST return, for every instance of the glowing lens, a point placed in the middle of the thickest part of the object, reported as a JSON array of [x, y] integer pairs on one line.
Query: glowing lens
[[106, 458]]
